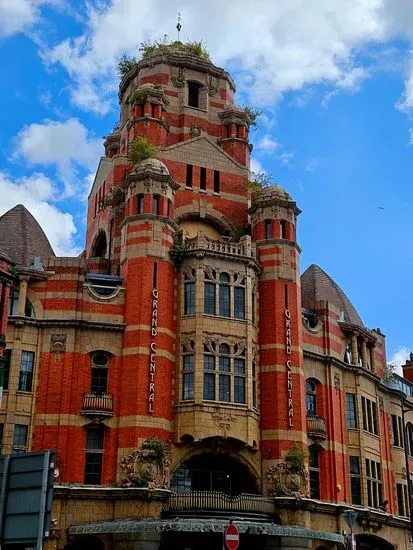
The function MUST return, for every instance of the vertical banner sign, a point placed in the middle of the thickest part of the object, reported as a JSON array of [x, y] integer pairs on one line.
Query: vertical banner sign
[[152, 350], [288, 347]]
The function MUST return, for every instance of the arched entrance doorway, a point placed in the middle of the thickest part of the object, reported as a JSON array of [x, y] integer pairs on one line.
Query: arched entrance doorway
[[86, 542], [371, 542], [214, 472]]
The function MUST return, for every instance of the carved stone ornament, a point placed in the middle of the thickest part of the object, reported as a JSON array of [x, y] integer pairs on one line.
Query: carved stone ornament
[[178, 77], [381, 404], [287, 480], [223, 420], [148, 466], [195, 130], [212, 85], [337, 381], [58, 345]]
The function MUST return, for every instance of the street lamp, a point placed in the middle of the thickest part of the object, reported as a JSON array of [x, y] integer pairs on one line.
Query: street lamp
[[350, 517]]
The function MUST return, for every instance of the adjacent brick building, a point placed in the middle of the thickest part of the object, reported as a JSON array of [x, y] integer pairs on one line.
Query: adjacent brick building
[[181, 367]]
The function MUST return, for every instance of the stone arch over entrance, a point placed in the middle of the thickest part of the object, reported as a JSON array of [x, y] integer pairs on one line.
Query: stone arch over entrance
[[99, 246], [214, 471], [372, 542]]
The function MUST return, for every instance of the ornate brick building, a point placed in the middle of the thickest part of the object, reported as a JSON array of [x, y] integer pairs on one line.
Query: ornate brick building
[[181, 367]]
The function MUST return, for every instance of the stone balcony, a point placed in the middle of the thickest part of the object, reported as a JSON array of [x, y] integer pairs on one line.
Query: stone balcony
[[94, 405], [215, 503], [242, 248], [316, 427]]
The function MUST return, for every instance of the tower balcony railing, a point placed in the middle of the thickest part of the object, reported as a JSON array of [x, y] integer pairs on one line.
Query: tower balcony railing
[[223, 246], [217, 503], [316, 427], [94, 404]]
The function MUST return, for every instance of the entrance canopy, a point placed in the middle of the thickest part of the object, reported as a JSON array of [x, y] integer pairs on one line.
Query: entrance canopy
[[135, 525]]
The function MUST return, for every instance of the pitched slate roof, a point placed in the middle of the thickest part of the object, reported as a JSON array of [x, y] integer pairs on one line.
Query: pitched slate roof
[[22, 238], [317, 285]]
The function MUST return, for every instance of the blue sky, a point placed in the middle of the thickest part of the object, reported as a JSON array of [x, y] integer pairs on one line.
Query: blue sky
[[334, 82]]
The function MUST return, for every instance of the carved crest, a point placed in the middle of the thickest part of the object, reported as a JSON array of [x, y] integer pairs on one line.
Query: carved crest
[[58, 345], [212, 85], [195, 130], [223, 421], [288, 479], [147, 466], [337, 381], [178, 78]]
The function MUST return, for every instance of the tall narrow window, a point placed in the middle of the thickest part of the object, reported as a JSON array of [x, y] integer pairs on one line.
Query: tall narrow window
[[402, 499], [209, 298], [1, 434], [347, 354], [14, 301], [409, 429], [202, 178], [239, 380], [374, 484], [209, 376], [169, 208], [189, 174], [268, 229], [239, 302], [254, 382], [20, 437], [224, 373], [188, 373], [193, 94], [351, 410], [283, 229], [355, 479], [189, 297], [141, 201], [94, 455], [99, 374], [370, 423], [217, 181], [314, 473], [311, 398], [6, 371], [26, 371], [156, 205], [224, 295], [397, 429]]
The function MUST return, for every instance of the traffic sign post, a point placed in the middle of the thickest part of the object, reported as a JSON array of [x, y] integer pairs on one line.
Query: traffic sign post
[[231, 537]]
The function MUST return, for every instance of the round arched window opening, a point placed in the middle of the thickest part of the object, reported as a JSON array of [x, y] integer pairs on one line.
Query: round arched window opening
[[99, 373], [99, 247], [311, 390]]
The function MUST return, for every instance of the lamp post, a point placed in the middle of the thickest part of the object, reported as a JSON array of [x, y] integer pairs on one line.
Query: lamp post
[[350, 517], [406, 458]]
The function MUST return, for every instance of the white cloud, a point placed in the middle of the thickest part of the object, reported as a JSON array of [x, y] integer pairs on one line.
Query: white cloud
[[399, 358], [36, 193], [406, 101], [19, 15], [286, 45], [267, 144], [65, 145], [313, 164]]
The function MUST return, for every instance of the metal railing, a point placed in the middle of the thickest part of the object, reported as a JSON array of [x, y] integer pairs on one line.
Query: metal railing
[[215, 501], [316, 427], [94, 404]]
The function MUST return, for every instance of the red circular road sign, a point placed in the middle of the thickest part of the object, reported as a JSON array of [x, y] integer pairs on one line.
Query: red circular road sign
[[231, 537]]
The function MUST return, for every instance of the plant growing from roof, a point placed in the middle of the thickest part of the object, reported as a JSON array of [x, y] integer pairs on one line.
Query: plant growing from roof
[[125, 64], [252, 115], [114, 198], [142, 148], [163, 46], [138, 96], [296, 457], [258, 182]]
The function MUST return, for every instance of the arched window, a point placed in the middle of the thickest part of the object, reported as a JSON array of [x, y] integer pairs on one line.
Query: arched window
[[99, 374], [314, 471], [224, 295], [94, 455], [347, 354], [311, 397], [100, 246]]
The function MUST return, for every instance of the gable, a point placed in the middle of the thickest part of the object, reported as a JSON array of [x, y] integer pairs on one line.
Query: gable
[[105, 166], [202, 151]]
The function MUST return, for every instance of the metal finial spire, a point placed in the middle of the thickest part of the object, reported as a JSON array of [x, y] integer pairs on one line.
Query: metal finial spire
[[178, 25]]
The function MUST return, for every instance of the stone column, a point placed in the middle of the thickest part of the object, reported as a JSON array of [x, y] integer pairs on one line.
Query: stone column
[[364, 361], [354, 350], [22, 297]]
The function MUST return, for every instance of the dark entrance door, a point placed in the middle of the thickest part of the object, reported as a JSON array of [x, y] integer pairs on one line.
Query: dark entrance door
[[371, 542]]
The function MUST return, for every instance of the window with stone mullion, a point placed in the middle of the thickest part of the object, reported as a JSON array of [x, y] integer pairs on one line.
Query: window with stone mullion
[[239, 380], [188, 374], [224, 295], [209, 377]]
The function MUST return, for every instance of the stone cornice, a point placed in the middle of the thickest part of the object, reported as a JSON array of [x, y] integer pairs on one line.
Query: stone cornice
[[362, 331], [294, 244], [69, 323], [342, 365], [109, 493]]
